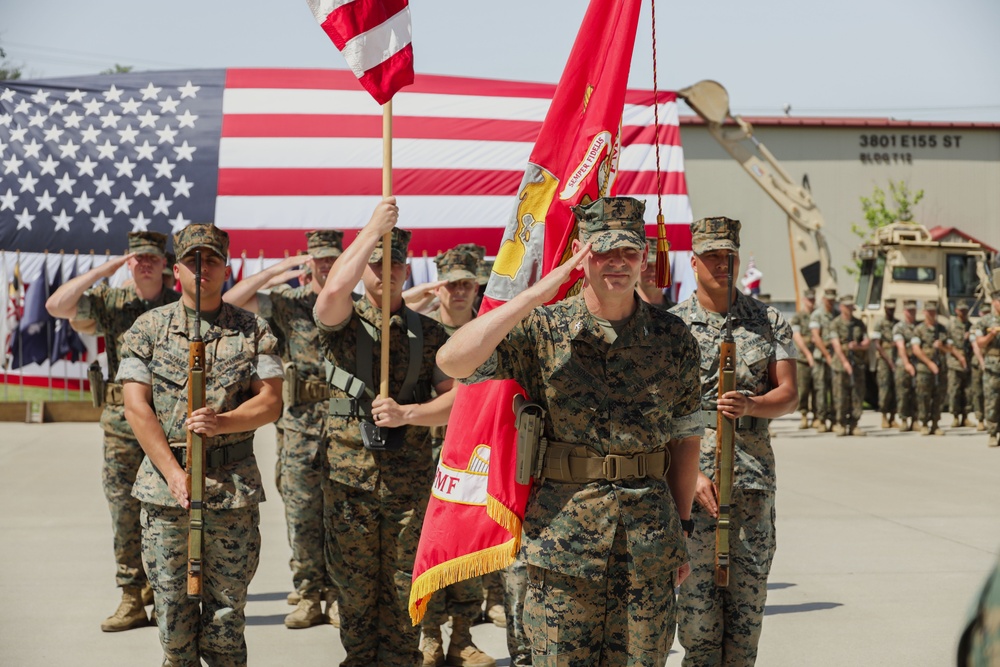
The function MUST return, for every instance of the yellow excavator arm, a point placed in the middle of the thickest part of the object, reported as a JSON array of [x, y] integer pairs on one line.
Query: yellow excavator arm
[[810, 253]]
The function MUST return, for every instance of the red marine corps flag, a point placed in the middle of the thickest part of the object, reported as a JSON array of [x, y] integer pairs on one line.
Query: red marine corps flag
[[473, 522]]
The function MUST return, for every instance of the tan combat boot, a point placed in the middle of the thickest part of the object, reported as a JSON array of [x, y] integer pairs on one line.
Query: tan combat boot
[[936, 430], [293, 599], [308, 612], [885, 421], [130, 613], [432, 648], [495, 610], [332, 607], [462, 652], [957, 421], [821, 427], [981, 426], [804, 424], [906, 426], [857, 432], [837, 429]]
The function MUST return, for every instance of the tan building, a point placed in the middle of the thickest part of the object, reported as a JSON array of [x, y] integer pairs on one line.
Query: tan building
[[957, 165]]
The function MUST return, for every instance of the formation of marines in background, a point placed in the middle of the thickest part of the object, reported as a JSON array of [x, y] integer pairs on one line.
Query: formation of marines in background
[[354, 509], [922, 368]]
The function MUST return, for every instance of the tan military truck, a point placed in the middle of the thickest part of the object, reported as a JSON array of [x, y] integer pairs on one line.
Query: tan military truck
[[903, 261]]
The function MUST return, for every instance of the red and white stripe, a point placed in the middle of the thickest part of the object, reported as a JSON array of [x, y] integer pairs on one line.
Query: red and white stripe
[[301, 149], [374, 36]]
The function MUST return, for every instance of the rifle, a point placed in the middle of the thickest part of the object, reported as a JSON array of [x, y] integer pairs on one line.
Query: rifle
[[195, 443], [725, 442]]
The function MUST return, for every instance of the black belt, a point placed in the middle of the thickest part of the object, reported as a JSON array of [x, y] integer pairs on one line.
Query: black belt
[[745, 423], [216, 457]]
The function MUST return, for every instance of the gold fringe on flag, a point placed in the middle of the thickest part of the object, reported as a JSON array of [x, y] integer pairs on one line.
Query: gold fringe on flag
[[470, 565]]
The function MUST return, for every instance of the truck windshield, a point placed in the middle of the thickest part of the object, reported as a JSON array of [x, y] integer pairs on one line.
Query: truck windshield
[[914, 274], [962, 279]]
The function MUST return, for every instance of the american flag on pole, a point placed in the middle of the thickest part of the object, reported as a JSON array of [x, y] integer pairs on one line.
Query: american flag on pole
[[374, 36], [270, 153]]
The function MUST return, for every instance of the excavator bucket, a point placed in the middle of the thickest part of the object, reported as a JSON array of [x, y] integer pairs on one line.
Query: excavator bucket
[[709, 99]]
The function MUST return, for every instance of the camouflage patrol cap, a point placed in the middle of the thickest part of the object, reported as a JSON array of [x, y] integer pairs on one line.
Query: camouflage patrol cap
[[457, 264], [931, 304], [809, 294], [483, 267], [889, 303], [962, 305], [830, 293], [147, 243], [719, 233], [612, 222], [400, 242], [201, 235], [846, 300], [910, 304], [325, 243]]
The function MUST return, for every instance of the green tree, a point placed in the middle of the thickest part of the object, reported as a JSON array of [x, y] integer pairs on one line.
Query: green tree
[[8, 71], [117, 69], [879, 213]]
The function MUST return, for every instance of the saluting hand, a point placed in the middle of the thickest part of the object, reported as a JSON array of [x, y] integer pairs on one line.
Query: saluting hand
[[546, 289], [110, 267]]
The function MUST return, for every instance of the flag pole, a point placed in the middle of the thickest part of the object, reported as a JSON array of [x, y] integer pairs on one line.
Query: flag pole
[[386, 248]]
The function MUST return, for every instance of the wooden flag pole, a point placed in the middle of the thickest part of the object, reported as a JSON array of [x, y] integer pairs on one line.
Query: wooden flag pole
[[386, 247]]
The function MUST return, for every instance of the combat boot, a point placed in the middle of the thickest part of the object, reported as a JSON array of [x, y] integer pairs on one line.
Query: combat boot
[[957, 422], [130, 613], [815, 423], [821, 427], [432, 649], [293, 599], [857, 432], [837, 429], [804, 424], [461, 651], [495, 612], [308, 612], [147, 595], [936, 430], [906, 426], [981, 426], [332, 607], [991, 440], [885, 421], [925, 430]]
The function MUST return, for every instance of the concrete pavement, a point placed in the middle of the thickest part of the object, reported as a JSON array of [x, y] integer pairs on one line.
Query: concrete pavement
[[882, 543]]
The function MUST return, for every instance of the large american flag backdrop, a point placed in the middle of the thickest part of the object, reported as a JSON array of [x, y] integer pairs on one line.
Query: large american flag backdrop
[[270, 153]]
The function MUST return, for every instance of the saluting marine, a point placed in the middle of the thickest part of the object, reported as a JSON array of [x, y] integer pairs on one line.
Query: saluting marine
[[617, 383], [111, 311], [306, 393]]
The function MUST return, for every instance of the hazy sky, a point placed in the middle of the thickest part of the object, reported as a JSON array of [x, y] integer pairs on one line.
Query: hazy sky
[[912, 59]]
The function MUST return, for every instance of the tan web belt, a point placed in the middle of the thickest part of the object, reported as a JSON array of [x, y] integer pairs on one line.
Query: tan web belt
[[578, 464]]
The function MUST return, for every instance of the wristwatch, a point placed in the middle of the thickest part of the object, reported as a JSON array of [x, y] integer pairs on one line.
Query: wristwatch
[[687, 525]]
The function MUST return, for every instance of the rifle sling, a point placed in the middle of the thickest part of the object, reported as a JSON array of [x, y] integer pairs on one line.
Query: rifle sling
[[361, 382]]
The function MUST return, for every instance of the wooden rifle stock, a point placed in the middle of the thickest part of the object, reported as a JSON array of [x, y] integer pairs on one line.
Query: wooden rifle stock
[[725, 445], [196, 445]]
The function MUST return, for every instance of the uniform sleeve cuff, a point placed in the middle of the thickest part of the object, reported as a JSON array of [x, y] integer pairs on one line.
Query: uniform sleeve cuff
[[132, 369]]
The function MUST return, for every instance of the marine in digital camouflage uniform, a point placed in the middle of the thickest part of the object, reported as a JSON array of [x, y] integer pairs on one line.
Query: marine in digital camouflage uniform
[[374, 501], [618, 381], [462, 601], [906, 372], [959, 374], [849, 340], [301, 465], [822, 369], [988, 339], [242, 393], [113, 310], [716, 625], [979, 645], [804, 360], [929, 345], [885, 362], [978, 363]]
